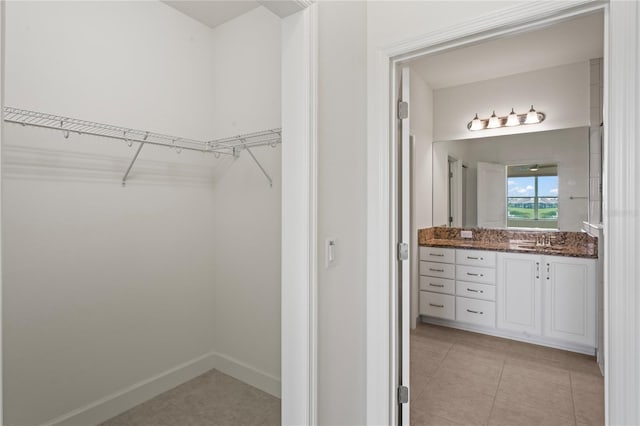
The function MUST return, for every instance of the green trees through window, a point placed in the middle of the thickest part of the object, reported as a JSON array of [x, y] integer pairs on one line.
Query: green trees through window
[[532, 197]]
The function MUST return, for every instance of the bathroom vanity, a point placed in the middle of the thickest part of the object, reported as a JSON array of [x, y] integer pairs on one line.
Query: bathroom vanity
[[538, 287]]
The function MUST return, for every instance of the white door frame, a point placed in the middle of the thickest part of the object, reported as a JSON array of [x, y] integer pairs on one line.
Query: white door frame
[[621, 201], [299, 221]]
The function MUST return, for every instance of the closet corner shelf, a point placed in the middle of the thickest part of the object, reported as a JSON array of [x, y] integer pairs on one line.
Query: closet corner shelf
[[226, 146]]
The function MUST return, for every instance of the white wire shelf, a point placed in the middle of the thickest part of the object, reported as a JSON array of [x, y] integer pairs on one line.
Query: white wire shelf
[[68, 126]]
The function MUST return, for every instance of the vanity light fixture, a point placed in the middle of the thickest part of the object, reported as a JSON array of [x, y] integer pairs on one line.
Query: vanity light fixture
[[494, 121], [511, 120], [476, 124], [532, 117]]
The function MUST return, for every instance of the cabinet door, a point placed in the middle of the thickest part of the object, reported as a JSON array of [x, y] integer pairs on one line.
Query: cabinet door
[[519, 293], [570, 306]]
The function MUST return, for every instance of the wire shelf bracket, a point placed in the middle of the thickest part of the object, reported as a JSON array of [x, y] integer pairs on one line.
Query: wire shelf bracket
[[226, 146]]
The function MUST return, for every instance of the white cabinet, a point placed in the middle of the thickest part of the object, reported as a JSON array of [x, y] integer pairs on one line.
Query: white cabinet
[[437, 282], [481, 312], [437, 305], [519, 288], [531, 297], [548, 296], [569, 299], [458, 285]]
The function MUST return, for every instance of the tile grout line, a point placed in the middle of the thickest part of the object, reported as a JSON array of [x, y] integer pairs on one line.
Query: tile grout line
[[573, 402], [497, 389]]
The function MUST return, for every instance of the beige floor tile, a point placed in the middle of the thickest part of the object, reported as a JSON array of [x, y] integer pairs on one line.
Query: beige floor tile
[[421, 418], [507, 414], [455, 401], [427, 354], [588, 397], [476, 370], [536, 392], [532, 384]]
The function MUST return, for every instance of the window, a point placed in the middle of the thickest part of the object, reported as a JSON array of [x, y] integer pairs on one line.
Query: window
[[532, 196]]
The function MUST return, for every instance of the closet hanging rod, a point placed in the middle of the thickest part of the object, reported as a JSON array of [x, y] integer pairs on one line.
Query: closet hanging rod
[[67, 125]]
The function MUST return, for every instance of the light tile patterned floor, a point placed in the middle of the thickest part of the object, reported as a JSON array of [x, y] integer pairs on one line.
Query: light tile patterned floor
[[212, 399], [464, 378]]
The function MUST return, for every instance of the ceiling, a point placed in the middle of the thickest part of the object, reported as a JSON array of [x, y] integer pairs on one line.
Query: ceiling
[[214, 12], [564, 43]]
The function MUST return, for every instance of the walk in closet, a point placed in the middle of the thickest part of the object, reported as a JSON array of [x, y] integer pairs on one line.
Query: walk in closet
[[141, 205]]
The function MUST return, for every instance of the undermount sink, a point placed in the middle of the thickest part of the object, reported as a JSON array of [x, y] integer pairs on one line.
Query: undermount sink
[[531, 245], [536, 247]]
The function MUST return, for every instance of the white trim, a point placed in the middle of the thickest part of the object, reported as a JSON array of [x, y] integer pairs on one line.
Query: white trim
[[2, 66], [118, 402], [378, 374], [299, 235], [381, 170], [512, 335], [247, 374], [622, 215]]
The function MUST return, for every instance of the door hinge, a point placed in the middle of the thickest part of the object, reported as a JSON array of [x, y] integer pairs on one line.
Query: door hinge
[[403, 251], [403, 395], [403, 110]]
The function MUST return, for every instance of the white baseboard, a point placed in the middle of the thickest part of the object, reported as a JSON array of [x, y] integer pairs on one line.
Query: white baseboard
[[542, 341], [248, 374], [125, 399]]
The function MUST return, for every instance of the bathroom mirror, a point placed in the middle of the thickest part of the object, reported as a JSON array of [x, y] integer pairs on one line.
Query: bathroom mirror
[[534, 180]]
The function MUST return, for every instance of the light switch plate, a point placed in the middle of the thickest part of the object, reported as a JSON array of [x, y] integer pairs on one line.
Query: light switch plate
[[330, 255], [466, 234]]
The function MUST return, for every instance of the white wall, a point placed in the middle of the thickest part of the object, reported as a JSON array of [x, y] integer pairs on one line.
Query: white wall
[[341, 211], [568, 148], [247, 218], [562, 93], [106, 287], [421, 120]]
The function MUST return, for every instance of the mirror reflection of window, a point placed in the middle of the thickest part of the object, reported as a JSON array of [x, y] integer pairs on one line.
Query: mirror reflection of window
[[532, 196]]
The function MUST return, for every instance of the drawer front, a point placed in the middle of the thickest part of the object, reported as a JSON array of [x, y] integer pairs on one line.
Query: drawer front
[[476, 274], [440, 270], [437, 254], [476, 258], [475, 290], [474, 311], [437, 305], [439, 285]]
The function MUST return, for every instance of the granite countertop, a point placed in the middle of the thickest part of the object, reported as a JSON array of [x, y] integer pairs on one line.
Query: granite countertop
[[571, 244]]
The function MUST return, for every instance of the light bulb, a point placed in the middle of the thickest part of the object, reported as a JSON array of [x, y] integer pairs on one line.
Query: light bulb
[[494, 122], [512, 119], [532, 117], [476, 123]]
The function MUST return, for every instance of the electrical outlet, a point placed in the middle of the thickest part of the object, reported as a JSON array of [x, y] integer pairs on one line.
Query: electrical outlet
[[466, 234]]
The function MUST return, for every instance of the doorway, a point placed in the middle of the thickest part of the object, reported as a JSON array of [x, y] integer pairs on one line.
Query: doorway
[[452, 203]]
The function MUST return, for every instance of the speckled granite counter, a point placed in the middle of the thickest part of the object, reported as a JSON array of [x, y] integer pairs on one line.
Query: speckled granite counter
[[571, 244]]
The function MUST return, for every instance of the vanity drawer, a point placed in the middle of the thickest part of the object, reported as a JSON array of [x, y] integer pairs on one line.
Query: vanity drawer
[[437, 254], [440, 270], [439, 285], [437, 305], [475, 311], [476, 274], [476, 258], [475, 290]]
